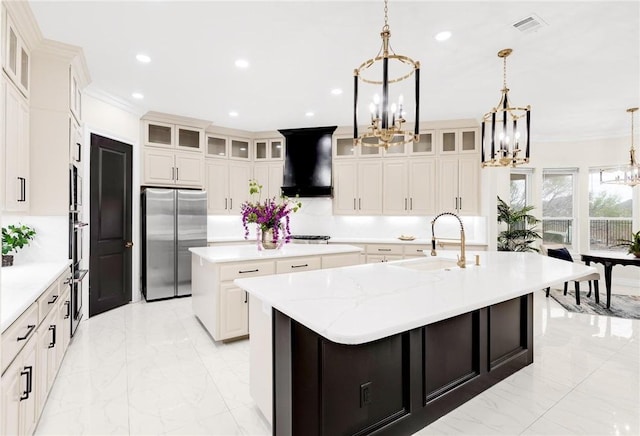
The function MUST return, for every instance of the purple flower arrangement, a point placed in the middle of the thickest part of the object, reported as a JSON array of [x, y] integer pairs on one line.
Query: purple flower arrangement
[[268, 214]]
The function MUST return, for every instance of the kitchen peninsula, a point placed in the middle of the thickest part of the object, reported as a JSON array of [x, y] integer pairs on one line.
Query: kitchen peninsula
[[390, 347]]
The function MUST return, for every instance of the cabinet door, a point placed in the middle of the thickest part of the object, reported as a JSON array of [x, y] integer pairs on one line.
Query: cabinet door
[[395, 199], [345, 176], [239, 149], [75, 97], [261, 147], [370, 187], [276, 172], [16, 143], [216, 147], [158, 134], [159, 167], [426, 144], [16, 57], [234, 311], [239, 175], [448, 184], [189, 138], [447, 142], [468, 185], [270, 177], [217, 187], [12, 385], [469, 141], [64, 323], [189, 169], [422, 187], [276, 149], [29, 408]]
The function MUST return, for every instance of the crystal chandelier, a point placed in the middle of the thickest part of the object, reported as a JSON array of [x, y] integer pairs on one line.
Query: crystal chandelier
[[625, 174], [387, 119], [505, 129]]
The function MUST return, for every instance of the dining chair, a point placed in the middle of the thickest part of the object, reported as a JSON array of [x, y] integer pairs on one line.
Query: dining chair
[[561, 252]]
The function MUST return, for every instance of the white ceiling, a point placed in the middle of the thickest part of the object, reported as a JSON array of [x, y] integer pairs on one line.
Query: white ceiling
[[579, 74]]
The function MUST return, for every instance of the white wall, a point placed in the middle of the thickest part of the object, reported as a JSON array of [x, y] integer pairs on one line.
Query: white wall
[[113, 119]]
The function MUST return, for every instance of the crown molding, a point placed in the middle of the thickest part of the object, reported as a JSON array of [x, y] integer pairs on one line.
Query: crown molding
[[105, 97], [71, 53], [176, 119]]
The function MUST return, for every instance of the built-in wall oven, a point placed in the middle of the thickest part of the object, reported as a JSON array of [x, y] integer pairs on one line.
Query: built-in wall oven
[[76, 233]]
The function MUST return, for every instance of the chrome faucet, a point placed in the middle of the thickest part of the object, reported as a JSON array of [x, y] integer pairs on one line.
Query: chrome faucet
[[461, 259]]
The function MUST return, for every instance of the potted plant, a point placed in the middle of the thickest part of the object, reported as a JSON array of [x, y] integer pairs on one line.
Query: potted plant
[[269, 216], [14, 238], [521, 231], [632, 244]]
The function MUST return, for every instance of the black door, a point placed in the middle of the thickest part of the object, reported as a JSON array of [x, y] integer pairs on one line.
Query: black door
[[110, 254]]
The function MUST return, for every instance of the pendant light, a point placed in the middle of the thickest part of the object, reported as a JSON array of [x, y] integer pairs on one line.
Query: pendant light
[[625, 174]]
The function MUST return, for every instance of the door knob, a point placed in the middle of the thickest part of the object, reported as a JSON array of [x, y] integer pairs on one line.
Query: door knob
[[128, 244]]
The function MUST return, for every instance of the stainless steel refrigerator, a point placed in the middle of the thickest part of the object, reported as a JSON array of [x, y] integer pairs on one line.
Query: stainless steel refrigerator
[[173, 220]]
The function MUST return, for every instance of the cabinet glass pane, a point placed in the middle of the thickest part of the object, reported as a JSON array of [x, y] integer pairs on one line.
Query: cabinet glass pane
[[159, 134], [396, 149], [425, 144], [216, 146], [276, 149], [24, 69], [239, 149], [367, 151], [449, 141], [344, 147], [468, 141], [261, 150], [188, 138], [13, 51]]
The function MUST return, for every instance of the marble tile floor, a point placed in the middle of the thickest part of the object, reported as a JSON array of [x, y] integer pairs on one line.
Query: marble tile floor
[[150, 368]]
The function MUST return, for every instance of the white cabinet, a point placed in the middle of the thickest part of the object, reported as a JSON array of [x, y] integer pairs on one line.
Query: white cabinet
[[19, 390], [459, 185], [409, 187], [16, 56], [358, 187], [167, 135], [167, 168], [234, 311], [75, 95], [270, 176], [48, 345], [343, 148], [16, 149], [425, 145], [268, 149], [227, 147], [458, 141], [227, 186]]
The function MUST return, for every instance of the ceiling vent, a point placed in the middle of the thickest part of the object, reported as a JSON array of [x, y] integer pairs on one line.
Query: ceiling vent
[[530, 24]]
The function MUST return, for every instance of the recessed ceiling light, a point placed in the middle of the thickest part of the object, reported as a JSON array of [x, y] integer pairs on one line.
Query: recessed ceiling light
[[442, 36], [137, 96], [242, 63], [233, 114], [143, 58], [309, 114], [336, 91]]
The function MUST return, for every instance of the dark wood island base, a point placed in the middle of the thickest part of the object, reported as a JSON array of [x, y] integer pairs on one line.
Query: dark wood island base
[[398, 384]]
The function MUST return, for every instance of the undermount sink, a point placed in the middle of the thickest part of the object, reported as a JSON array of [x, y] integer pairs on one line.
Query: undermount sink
[[430, 264]]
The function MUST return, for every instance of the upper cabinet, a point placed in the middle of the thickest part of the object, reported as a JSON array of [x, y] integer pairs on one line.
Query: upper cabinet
[[16, 55], [16, 149], [344, 148], [167, 135], [220, 146], [268, 149], [425, 145], [75, 96], [458, 141]]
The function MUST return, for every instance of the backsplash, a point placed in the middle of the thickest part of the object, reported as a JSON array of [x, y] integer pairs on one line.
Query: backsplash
[[51, 242], [316, 218]]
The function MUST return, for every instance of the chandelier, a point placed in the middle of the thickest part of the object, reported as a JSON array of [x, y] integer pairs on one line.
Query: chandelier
[[387, 119], [505, 129], [625, 174]]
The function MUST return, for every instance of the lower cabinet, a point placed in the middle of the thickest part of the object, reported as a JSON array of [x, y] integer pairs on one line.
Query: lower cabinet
[[234, 314], [20, 405]]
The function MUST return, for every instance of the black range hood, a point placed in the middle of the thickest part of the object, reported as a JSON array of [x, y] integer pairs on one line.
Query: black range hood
[[307, 166]]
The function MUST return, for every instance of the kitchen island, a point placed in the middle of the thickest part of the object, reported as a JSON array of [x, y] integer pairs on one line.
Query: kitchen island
[[388, 348]]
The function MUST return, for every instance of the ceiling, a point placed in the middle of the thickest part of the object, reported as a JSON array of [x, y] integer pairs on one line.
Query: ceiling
[[579, 73]]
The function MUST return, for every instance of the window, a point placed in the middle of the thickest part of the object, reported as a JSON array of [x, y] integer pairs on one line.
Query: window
[[520, 187], [610, 213], [558, 188]]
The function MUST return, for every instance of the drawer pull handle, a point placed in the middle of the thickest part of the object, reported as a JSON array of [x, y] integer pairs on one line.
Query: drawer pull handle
[[384, 249], [29, 373], [300, 266], [52, 328], [68, 304], [31, 327], [249, 271], [55, 297], [246, 297]]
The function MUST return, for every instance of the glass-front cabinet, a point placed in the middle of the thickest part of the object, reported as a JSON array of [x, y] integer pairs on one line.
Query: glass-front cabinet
[[216, 146], [239, 148], [16, 60], [268, 149], [425, 145], [459, 141], [166, 135], [344, 148]]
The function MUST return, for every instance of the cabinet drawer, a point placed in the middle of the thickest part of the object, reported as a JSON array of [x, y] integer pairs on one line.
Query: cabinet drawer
[[18, 334], [248, 269], [416, 250], [384, 249], [48, 300], [297, 265]]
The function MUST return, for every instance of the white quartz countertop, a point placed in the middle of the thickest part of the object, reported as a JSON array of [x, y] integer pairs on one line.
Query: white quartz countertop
[[239, 253], [363, 303], [343, 240], [23, 284]]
